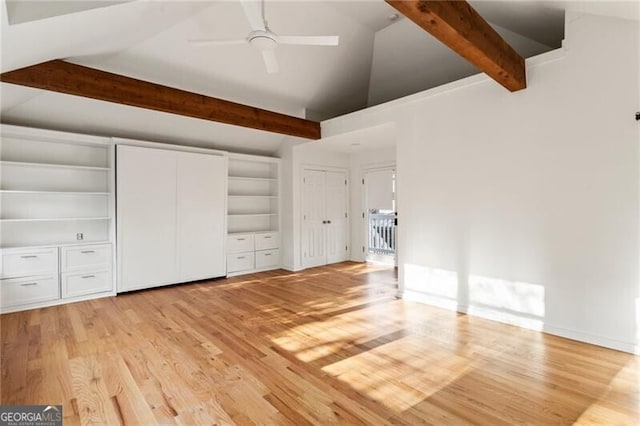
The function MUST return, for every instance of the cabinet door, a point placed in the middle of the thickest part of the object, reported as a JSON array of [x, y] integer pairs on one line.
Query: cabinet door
[[146, 214], [202, 211], [313, 219], [336, 209]]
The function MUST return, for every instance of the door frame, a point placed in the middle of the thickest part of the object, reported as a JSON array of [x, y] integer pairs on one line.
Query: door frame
[[368, 168], [322, 168]]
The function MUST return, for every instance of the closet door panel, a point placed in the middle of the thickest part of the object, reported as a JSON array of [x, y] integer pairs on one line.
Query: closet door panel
[[336, 209], [201, 206], [313, 219], [146, 214]]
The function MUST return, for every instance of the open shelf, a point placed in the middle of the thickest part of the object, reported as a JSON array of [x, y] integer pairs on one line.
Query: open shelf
[[55, 219], [256, 179], [52, 165], [253, 196], [252, 214], [18, 191]]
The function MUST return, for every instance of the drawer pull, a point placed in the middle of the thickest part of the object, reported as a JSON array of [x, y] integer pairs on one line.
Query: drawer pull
[[31, 256], [88, 276], [267, 254], [240, 239], [28, 284], [240, 257], [87, 251], [267, 237]]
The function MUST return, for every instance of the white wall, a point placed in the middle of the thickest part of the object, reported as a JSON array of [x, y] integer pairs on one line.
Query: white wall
[[421, 51], [524, 207]]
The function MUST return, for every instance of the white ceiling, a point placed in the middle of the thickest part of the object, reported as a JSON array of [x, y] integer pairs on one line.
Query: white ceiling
[[148, 40]]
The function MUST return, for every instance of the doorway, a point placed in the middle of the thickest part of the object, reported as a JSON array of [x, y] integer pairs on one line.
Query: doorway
[[324, 217], [380, 215]]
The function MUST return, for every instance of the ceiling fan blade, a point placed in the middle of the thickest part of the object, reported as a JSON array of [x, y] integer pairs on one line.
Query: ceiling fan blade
[[254, 11], [270, 61], [217, 42], [310, 40]]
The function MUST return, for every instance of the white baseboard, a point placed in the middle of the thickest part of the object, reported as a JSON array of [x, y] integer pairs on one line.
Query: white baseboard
[[527, 323]]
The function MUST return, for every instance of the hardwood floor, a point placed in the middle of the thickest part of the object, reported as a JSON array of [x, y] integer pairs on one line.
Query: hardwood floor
[[328, 345]]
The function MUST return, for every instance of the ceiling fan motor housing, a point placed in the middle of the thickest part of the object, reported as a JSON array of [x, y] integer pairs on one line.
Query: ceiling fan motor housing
[[262, 40]]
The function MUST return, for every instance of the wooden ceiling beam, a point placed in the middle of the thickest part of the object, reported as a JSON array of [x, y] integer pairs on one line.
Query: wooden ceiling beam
[[78, 80], [459, 26]]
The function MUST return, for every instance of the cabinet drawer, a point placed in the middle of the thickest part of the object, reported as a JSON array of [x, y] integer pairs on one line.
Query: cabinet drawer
[[29, 263], [239, 243], [78, 284], [239, 262], [21, 291], [267, 240], [81, 258], [267, 258]]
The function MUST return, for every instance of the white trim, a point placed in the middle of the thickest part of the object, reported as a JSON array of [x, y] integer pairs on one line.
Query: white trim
[[55, 136], [167, 146], [359, 116], [254, 158], [56, 302]]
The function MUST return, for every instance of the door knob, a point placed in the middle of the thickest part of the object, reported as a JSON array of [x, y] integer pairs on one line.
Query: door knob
[[328, 221]]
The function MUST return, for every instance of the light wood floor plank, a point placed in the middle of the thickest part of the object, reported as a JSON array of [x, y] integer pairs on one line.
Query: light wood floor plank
[[329, 345]]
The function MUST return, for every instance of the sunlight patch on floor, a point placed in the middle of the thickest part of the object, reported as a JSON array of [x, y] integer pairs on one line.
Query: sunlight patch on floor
[[618, 401], [400, 374]]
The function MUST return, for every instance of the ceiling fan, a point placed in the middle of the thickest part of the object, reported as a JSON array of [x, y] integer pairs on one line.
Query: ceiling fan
[[262, 38]]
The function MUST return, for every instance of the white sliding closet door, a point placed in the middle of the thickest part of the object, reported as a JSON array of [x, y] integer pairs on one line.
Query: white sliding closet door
[[146, 189], [171, 209], [202, 213], [324, 220]]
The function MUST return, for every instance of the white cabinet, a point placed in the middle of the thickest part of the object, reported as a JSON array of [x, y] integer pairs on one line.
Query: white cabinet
[[171, 216], [267, 240], [237, 243], [238, 262], [56, 213], [29, 262], [267, 258], [253, 213], [15, 292], [252, 252], [83, 258], [86, 270], [83, 283], [324, 217]]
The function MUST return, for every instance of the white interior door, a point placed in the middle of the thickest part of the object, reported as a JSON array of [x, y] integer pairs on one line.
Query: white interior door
[[201, 195], [324, 217], [336, 216], [146, 196], [313, 219]]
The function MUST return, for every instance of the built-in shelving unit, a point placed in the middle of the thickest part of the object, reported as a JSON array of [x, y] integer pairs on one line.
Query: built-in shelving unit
[[253, 187], [253, 214], [56, 198], [55, 188]]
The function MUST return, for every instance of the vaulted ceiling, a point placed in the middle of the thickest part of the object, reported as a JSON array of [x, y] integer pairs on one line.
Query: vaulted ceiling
[[148, 40]]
